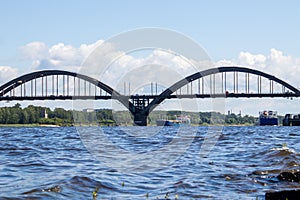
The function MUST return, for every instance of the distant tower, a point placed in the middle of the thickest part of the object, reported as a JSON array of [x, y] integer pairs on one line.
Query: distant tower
[[46, 114]]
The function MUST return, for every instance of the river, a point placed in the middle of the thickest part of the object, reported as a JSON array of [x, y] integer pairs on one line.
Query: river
[[146, 162]]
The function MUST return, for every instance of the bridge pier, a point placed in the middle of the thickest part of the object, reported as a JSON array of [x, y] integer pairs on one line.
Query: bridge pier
[[139, 111], [140, 119]]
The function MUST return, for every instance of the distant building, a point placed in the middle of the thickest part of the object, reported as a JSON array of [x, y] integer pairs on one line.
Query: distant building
[[46, 114], [88, 110]]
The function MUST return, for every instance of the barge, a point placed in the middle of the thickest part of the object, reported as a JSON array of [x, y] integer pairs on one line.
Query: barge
[[268, 118], [291, 120], [180, 120]]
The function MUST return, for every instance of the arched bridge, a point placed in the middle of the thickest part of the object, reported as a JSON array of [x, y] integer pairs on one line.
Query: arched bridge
[[221, 82]]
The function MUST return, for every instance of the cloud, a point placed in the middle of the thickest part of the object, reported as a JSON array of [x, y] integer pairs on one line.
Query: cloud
[[68, 57], [248, 59], [277, 58], [7, 73], [275, 63], [34, 50], [58, 56], [161, 66], [62, 52]]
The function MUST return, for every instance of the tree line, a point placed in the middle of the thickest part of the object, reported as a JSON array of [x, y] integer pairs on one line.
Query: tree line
[[206, 118], [59, 116]]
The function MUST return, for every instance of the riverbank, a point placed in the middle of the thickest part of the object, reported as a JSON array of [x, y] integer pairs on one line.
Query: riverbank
[[19, 125], [107, 117], [28, 125], [67, 125]]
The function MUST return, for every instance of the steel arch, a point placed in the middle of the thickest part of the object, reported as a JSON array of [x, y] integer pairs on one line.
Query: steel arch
[[5, 88], [165, 94]]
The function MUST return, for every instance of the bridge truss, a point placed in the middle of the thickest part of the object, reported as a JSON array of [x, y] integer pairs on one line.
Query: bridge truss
[[221, 82]]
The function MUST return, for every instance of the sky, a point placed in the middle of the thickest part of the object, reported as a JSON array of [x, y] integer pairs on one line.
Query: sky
[[262, 35]]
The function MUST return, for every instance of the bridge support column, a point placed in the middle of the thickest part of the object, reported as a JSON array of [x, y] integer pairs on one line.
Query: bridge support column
[[139, 111], [140, 119]]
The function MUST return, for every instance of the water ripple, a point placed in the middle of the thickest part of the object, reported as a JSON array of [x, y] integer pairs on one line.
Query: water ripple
[[53, 163]]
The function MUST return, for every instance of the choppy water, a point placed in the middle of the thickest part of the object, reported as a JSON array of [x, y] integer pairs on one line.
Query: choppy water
[[53, 163]]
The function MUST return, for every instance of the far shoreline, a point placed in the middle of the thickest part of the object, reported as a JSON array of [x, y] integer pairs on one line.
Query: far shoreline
[[28, 125], [150, 125]]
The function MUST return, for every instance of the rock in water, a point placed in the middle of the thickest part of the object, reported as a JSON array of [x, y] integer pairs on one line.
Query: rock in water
[[283, 195], [289, 176]]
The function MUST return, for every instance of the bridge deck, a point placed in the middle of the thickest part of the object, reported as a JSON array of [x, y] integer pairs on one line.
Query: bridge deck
[[186, 96]]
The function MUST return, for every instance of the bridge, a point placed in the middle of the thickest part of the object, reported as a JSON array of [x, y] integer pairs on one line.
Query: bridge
[[220, 82]]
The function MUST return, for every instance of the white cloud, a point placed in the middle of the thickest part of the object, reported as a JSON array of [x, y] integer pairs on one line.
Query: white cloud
[[276, 57], [248, 59], [68, 57], [87, 49], [275, 63], [118, 65], [58, 56], [61, 51], [34, 50], [7, 73]]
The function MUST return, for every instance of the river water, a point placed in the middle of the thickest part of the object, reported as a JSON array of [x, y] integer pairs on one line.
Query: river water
[[59, 163]]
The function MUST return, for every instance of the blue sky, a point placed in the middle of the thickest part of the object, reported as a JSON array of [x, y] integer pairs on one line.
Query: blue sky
[[244, 32], [223, 28]]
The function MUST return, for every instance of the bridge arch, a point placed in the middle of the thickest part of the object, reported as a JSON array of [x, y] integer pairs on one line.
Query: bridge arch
[[7, 87], [169, 91]]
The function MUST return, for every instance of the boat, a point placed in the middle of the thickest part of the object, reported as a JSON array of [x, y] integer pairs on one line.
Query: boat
[[268, 118], [291, 120], [178, 121]]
